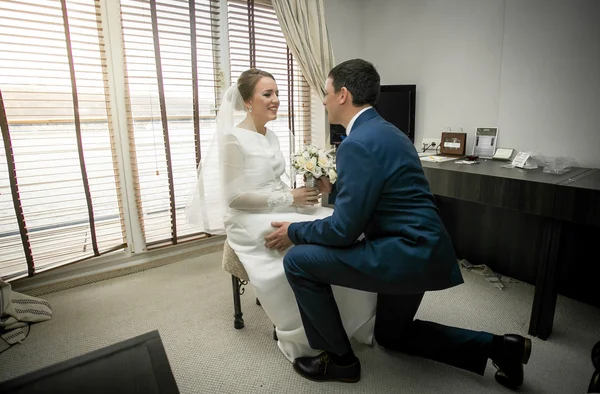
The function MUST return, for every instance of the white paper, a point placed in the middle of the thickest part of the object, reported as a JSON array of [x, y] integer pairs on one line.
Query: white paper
[[452, 145], [467, 162], [437, 159], [520, 159]]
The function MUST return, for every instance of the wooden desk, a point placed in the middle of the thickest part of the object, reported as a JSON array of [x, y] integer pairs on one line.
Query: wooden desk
[[515, 222]]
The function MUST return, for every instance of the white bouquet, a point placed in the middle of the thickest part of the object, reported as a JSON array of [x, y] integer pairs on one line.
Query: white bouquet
[[314, 163]]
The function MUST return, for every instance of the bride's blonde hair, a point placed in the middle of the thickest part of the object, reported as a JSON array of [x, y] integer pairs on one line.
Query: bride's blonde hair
[[247, 82]]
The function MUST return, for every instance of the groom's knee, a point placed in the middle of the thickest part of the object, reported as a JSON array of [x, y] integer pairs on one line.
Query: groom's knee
[[290, 261], [306, 262], [298, 261]]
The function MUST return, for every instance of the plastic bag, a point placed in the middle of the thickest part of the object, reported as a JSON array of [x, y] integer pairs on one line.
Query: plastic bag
[[558, 165]]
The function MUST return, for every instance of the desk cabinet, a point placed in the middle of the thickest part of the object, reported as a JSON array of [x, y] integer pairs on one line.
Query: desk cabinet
[[536, 227]]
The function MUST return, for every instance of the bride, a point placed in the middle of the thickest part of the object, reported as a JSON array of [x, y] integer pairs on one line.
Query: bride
[[240, 192]]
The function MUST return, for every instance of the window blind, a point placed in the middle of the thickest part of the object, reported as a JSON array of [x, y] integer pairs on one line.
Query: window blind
[[173, 83], [256, 40], [59, 200]]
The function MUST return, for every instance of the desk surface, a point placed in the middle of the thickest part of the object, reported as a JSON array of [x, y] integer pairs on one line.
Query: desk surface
[[589, 180], [495, 169], [572, 196]]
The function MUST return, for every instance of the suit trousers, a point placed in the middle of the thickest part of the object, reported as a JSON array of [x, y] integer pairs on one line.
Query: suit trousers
[[312, 269]]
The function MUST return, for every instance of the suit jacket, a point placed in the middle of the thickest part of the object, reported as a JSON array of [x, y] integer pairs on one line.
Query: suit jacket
[[382, 192]]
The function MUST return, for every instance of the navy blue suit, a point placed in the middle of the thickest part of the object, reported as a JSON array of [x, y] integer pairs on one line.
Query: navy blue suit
[[382, 192]]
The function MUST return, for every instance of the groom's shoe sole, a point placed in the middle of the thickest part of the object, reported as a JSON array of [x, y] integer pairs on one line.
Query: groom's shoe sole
[[330, 380]]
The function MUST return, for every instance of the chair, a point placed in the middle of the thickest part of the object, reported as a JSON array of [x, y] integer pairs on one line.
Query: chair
[[239, 278]]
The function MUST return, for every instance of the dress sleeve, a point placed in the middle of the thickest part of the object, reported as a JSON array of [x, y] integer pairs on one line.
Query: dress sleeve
[[238, 195]]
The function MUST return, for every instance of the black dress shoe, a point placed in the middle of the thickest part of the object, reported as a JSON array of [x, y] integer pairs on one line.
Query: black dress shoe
[[509, 360], [322, 369]]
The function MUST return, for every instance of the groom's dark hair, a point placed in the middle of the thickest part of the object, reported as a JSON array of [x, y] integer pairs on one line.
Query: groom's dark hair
[[360, 78]]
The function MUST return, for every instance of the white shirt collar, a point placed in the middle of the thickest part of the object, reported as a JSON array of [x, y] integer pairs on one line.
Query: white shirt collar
[[349, 128]]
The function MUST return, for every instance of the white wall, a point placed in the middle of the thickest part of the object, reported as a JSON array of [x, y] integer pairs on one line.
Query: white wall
[[528, 67], [550, 89], [450, 49], [346, 30], [345, 24]]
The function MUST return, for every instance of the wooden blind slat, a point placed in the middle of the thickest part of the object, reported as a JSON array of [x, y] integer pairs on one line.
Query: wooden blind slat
[[185, 36], [53, 79], [256, 40]]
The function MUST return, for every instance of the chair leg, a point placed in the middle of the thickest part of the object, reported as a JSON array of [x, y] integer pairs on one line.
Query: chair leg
[[238, 321]]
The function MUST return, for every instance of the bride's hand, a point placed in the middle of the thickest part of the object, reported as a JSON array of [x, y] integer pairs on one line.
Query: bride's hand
[[305, 196]]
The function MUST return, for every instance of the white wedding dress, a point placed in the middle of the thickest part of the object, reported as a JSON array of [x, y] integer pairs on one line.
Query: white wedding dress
[[253, 167]]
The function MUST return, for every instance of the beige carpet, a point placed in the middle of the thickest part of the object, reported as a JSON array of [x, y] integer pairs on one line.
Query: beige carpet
[[190, 303]]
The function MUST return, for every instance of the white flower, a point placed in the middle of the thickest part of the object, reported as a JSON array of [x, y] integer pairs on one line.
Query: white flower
[[315, 161], [300, 160], [310, 165], [332, 175], [317, 172], [324, 161]]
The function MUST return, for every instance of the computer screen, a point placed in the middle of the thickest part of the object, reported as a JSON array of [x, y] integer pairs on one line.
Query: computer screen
[[396, 104]]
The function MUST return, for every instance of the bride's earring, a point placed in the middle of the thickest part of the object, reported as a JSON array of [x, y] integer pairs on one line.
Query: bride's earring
[[250, 109]]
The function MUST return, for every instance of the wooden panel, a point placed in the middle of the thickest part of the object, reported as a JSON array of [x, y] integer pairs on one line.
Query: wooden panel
[[579, 262], [528, 191], [578, 200], [493, 236], [515, 194], [453, 184]]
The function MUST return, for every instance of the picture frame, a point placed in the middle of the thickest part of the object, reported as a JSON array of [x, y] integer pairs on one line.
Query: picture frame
[[453, 143]]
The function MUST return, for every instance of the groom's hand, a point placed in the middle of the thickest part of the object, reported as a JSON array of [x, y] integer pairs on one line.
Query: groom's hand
[[324, 184], [279, 239]]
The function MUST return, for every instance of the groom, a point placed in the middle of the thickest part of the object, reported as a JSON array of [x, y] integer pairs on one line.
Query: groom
[[382, 192]]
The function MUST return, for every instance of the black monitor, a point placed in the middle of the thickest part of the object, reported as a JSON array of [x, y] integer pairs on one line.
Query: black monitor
[[396, 104], [337, 132]]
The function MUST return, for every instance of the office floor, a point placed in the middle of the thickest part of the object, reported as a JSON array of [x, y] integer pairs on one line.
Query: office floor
[[190, 303]]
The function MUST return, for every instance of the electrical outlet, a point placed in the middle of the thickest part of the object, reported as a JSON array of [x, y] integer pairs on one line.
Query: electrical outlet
[[430, 144]]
